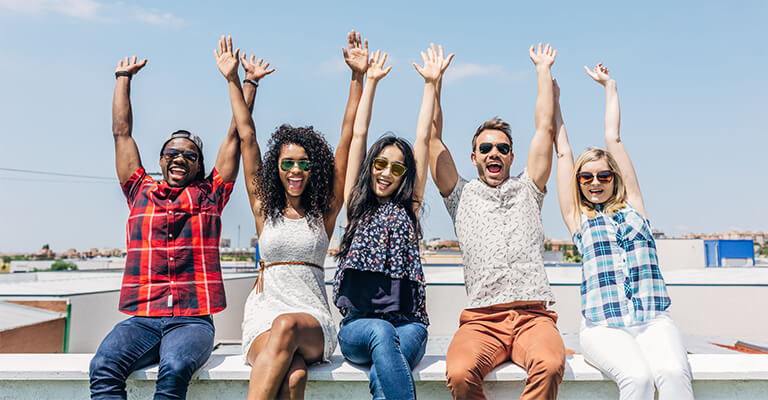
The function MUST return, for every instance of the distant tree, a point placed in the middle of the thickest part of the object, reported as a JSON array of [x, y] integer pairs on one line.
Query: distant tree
[[61, 265], [7, 259], [46, 247]]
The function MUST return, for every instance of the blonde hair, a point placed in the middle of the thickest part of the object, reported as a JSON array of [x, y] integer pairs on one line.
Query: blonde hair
[[616, 202]]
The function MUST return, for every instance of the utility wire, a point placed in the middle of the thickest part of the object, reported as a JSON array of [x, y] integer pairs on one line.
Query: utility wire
[[28, 171]]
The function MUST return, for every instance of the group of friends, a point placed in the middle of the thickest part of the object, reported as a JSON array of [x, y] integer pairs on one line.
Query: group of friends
[[172, 283]]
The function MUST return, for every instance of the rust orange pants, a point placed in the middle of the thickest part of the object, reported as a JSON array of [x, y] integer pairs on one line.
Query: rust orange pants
[[489, 336]]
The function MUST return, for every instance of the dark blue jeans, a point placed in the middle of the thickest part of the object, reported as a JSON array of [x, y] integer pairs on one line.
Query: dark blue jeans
[[392, 349], [180, 345]]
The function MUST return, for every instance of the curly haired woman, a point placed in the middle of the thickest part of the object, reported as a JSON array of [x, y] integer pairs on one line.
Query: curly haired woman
[[296, 195]]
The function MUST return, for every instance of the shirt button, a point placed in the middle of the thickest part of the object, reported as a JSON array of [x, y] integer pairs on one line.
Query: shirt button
[[170, 235], [171, 258], [170, 212]]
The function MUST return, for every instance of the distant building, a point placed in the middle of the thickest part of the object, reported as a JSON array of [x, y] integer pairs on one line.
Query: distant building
[[254, 241], [760, 238], [225, 243], [45, 253], [71, 253]]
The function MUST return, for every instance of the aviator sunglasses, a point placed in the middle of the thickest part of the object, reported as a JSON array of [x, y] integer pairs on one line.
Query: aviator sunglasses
[[602, 177], [171, 153], [486, 148], [287, 164], [397, 169]]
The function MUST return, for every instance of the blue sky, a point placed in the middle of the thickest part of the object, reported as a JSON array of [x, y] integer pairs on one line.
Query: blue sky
[[691, 78]]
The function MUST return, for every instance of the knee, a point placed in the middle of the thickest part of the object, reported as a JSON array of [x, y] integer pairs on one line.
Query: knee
[[383, 333], [99, 364], [637, 382], [463, 379], [177, 368], [550, 365], [284, 331], [673, 374]]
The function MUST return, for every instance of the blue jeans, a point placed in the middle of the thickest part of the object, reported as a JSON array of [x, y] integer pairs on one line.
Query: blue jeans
[[180, 345], [392, 349]]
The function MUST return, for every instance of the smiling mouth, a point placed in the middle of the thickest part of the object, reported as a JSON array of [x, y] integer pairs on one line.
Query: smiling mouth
[[494, 167], [595, 192], [177, 172], [295, 183], [383, 184]]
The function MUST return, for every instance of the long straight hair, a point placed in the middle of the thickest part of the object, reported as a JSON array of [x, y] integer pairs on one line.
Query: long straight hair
[[616, 202], [364, 202]]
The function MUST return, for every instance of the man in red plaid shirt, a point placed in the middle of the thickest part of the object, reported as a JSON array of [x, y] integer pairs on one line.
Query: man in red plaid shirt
[[172, 281]]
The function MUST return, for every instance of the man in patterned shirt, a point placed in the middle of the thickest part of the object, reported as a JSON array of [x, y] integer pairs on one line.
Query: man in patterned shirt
[[172, 281], [497, 219]]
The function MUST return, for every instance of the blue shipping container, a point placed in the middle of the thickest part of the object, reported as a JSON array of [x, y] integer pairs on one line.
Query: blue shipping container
[[717, 250]]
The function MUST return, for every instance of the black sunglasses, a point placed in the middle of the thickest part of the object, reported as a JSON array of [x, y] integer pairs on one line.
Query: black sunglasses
[[171, 153], [486, 148]]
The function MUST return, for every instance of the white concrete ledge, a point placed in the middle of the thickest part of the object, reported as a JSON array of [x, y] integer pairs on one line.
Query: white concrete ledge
[[65, 376]]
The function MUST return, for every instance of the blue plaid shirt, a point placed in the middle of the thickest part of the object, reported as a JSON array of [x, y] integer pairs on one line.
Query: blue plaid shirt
[[621, 282]]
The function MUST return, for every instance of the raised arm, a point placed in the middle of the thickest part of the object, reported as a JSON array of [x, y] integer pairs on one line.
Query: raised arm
[[232, 142], [540, 153], [435, 64], [356, 57], [441, 163], [565, 183], [127, 159], [613, 142], [249, 146], [376, 72], [229, 152]]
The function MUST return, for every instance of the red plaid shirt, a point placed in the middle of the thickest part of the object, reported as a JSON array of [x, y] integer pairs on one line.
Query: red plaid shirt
[[172, 266]]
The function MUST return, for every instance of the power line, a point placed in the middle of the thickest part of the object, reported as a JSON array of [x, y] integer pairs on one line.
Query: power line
[[29, 171]]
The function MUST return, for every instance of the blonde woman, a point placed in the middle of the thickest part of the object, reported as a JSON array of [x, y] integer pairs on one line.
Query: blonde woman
[[626, 330]]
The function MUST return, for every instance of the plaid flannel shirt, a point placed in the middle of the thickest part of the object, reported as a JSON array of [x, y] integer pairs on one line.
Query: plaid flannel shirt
[[621, 281], [172, 267]]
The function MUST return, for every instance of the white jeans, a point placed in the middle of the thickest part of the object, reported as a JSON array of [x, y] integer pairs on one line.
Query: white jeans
[[638, 356]]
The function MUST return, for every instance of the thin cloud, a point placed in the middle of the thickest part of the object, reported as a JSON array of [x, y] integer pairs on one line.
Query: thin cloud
[[92, 10], [462, 71], [157, 17]]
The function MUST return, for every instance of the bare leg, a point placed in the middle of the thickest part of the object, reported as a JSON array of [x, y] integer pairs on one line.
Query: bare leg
[[272, 353]]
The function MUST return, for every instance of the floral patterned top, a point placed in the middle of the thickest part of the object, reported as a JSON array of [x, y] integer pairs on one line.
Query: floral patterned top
[[386, 242]]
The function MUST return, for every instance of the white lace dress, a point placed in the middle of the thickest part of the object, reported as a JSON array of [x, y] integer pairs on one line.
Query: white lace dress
[[290, 288]]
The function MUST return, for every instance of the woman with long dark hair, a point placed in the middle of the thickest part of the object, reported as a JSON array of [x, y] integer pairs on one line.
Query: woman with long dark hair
[[626, 330], [296, 194], [379, 284]]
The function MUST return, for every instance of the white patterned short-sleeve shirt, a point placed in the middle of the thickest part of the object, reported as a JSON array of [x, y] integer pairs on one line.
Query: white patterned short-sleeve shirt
[[501, 238]]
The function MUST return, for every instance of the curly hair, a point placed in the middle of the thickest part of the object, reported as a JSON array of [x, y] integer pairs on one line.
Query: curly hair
[[317, 195], [363, 201]]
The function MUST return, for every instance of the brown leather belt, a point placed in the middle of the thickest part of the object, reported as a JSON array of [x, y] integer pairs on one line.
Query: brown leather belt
[[259, 285]]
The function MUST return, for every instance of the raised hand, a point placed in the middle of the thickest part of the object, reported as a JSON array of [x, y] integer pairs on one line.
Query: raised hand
[[357, 54], [376, 69], [599, 74], [226, 60], [542, 57], [435, 63], [254, 70], [130, 65]]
